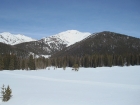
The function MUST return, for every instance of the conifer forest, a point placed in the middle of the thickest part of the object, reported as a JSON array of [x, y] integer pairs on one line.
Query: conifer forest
[[13, 62]]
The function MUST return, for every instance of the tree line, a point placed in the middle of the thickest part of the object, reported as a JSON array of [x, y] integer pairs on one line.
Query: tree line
[[96, 60], [14, 62]]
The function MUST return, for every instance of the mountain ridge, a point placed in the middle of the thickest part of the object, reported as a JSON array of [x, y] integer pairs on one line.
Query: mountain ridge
[[53, 43], [100, 42], [68, 37], [105, 42], [13, 39]]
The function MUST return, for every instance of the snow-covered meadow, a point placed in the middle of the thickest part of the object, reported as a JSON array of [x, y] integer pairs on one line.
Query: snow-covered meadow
[[88, 86]]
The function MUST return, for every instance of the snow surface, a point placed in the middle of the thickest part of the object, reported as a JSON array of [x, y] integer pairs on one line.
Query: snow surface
[[45, 56], [88, 86], [13, 39], [70, 36]]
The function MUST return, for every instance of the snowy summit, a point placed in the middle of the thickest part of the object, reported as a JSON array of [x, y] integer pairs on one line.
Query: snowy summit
[[71, 36], [13, 39]]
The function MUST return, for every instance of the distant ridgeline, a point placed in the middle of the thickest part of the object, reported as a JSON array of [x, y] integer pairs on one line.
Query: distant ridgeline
[[97, 50]]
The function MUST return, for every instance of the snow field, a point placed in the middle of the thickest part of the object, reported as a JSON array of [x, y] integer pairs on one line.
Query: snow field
[[88, 86]]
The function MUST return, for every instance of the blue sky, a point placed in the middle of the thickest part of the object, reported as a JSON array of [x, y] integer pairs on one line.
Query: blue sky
[[42, 18]]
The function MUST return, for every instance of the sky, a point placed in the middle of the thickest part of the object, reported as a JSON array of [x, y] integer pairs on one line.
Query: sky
[[42, 18]]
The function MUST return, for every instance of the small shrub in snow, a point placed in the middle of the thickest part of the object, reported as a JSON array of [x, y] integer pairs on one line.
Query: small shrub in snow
[[75, 67], [6, 93]]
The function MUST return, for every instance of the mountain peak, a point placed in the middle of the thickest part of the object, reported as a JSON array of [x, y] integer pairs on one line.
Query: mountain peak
[[12, 39], [71, 31], [71, 36]]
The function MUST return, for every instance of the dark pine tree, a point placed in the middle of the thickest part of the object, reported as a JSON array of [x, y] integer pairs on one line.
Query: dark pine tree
[[23, 64], [6, 60], [1, 63], [11, 64], [31, 63]]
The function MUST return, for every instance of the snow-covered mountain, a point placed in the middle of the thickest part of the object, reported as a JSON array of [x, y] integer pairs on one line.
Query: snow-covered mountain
[[54, 43], [45, 46], [102, 42], [13, 39], [105, 42], [69, 37]]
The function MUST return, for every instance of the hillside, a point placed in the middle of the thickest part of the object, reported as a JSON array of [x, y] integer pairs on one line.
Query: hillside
[[53, 43], [4, 48], [101, 43], [43, 46]]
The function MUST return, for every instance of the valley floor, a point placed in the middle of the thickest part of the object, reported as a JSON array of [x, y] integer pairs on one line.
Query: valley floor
[[88, 86]]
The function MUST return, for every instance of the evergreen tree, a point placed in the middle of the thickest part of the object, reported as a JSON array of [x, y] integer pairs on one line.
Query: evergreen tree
[[3, 92], [18, 63], [94, 61], [11, 64], [26, 64], [86, 61], [1, 63], [63, 62], [138, 59], [64, 65], [128, 59], [55, 62], [82, 61], [110, 60], [23, 64], [120, 61], [132, 59], [100, 57], [6, 93], [6, 60], [31, 63]]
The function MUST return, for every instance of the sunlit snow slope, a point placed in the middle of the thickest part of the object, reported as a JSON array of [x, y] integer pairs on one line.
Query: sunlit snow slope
[[70, 37], [13, 39]]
